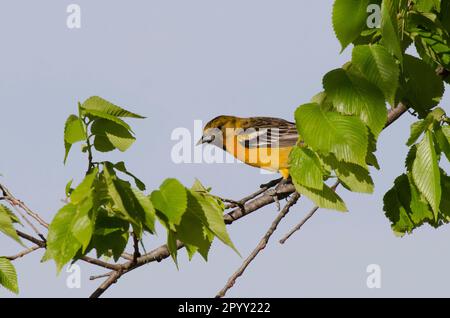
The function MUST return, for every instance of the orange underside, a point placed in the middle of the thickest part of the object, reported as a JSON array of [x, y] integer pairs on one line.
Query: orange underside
[[272, 159]]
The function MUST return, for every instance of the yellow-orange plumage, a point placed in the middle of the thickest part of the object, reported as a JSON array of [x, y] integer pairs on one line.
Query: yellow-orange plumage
[[262, 142]]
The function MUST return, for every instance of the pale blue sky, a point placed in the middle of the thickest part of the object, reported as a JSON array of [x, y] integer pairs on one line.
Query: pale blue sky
[[174, 62]]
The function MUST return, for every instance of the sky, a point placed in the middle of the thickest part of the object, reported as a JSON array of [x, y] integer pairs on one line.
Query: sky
[[175, 62]]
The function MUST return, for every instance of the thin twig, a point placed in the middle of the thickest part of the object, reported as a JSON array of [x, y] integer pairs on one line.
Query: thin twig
[[86, 259], [127, 256], [106, 284], [34, 228], [23, 253], [101, 276], [299, 225], [261, 245], [7, 194], [306, 218]]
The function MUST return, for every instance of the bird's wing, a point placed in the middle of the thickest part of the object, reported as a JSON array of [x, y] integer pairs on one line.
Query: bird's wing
[[267, 132]]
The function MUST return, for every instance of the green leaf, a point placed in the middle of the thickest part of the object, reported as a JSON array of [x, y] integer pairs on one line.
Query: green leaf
[[211, 213], [102, 144], [425, 172], [83, 226], [325, 198], [379, 67], [117, 135], [84, 189], [444, 15], [146, 204], [371, 159], [97, 115], [417, 129], [126, 205], [410, 157], [73, 133], [443, 137], [62, 245], [423, 88], [389, 27], [349, 19], [111, 235], [354, 95], [8, 211], [426, 5], [6, 224], [170, 200], [353, 177], [99, 104], [305, 168], [191, 229], [405, 207], [74, 130], [172, 245], [330, 132], [121, 167], [8, 275]]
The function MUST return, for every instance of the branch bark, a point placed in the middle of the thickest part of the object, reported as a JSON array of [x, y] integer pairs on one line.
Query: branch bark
[[261, 245]]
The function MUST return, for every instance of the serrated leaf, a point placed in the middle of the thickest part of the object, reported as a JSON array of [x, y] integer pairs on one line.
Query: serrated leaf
[[443, 137], [410, 157], [305, 168], [354, 95], [121, 167], [102, 144], [13, 217], [117, 135], [352, 176], [190, 230], [83, 190], [83, 225], [6, 224], [126, 205], [426, 174], [170, 200], [210, 211], [379, 67], [111, 235], [325, 198], [73, 133], [97, 103], [8, 275], [349, 26], [389, 27], [405, 207], [426, 5], [146, 204], [417, 129], [330, 132], [62, 245], [172, 246], [423, 88], [97, 115]]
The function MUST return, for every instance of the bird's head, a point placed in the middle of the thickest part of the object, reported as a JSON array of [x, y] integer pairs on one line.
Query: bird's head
[[215, 129]]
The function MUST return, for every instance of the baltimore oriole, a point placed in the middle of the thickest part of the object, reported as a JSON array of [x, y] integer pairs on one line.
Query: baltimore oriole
[[262, 142]]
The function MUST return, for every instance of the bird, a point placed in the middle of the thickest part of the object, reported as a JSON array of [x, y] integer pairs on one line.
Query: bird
[[263, 142]]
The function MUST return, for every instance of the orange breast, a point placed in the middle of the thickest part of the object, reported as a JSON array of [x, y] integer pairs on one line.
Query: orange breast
[[273, 159]]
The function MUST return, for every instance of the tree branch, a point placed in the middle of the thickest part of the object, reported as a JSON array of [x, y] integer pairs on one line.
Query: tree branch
[[249, 204], [305, 219], [261, 245], [23, 253]]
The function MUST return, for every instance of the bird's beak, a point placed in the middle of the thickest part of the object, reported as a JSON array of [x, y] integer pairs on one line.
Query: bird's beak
[[205, 139]]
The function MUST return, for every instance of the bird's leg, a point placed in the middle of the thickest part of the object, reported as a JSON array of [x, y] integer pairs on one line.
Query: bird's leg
[[274, 191], [271, 183]]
